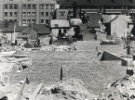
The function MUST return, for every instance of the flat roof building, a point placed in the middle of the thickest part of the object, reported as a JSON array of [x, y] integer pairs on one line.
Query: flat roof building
[[27, 11]]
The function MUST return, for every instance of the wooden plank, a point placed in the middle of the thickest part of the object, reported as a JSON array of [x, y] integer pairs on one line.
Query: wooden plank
[[21, 90], [36, 91]]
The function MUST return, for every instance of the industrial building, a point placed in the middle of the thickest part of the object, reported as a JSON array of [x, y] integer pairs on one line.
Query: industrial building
[[117, 7]]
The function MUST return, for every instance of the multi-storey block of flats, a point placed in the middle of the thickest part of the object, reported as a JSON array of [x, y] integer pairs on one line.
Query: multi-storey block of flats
[[27, 11]]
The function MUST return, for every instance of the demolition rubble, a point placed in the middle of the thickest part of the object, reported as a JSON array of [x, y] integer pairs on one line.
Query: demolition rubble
[[18, 61]]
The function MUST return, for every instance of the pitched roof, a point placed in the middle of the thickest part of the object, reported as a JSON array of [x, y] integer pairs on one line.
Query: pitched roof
[[93, 20], [59, 23], [41, 29], [110, 18], [20, 28]]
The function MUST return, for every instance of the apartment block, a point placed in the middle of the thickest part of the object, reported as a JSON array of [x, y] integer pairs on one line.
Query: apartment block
[[25, 12]]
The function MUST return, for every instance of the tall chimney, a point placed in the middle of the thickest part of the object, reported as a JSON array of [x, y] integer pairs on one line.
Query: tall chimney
[[74, 10]]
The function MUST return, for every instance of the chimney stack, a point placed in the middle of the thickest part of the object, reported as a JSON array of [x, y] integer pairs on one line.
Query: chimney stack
[[74, 10]]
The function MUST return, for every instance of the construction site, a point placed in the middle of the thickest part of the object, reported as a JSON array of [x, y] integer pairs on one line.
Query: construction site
[[77, 50], [90, 71]]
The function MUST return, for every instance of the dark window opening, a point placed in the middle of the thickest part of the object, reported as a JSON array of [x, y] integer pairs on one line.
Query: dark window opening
[[47, 14], [15, 6], [65, 30]]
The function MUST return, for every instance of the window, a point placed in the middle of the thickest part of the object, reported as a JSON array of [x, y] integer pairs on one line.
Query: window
[[47, 6], [52, 6], [25, 39], [60, 32], [42, 21], [28, 14], [33, 6], [47, 21], [10, 14], [10, 21], [41, 6], [47, 14], [33, 21], [11, 6], [15, 20], [6, 6], [42, 14], [62, 13], [29, 21], [24, 21], [15, 14], [6, 14], [24, 6], [15, 6], [24, 14], [51, 13], [65, 31], [29, 6], [24, 34], [33, 14]]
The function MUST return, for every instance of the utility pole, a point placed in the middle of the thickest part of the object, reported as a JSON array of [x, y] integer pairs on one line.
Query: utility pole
[[14, 33]]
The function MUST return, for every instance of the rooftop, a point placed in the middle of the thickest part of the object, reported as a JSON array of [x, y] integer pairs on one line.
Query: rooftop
[[100, 3], [39, 28], [75, 21], [59, 23], [93, 20]]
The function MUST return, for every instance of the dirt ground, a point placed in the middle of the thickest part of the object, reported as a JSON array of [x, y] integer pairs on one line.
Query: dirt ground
[[83, 64]]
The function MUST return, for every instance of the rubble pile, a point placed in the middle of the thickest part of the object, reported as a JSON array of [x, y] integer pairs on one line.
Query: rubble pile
[[73, 89], [122, 89], [13, 59], [58, 48], [18, 49], [12, 91]]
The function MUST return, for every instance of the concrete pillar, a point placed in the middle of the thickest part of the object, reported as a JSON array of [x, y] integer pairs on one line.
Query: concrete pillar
[[37, 14], [20, 14]]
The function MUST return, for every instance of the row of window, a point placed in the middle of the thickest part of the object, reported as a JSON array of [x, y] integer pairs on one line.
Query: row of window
[[10, 6], [46, 14], [28, 21], [29, 14], [29, 6], [10, 14], [11, 20], [47, 6], [42, 21], [62, 13]]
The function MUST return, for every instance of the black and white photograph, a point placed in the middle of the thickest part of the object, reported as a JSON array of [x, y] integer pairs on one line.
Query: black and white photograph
[[67, 49]]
